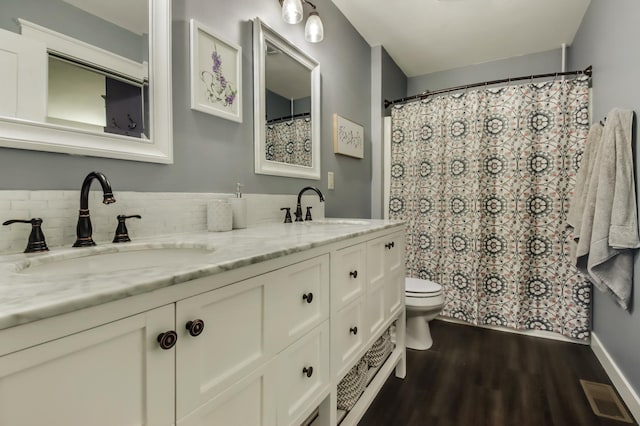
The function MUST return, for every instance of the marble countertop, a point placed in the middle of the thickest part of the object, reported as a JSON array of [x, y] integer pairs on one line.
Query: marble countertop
[[27, 296]]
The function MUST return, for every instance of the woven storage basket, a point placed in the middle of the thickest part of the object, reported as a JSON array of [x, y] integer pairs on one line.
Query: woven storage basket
[[352, 385], [380, 350]]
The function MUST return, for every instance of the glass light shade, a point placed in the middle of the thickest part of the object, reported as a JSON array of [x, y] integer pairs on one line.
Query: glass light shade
[[292, 11], [313, 30]]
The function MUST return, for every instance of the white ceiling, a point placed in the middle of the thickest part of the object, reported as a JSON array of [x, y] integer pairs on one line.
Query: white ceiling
[[425, 36]]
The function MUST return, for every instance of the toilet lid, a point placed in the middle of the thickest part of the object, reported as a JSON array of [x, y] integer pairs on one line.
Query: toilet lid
[[416, 285]]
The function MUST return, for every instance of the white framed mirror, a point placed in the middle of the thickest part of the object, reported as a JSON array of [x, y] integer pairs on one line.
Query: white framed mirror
[[40, 110], [286, 107]]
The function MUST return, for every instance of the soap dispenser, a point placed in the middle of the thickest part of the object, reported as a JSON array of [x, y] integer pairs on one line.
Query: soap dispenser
[[239, 207]]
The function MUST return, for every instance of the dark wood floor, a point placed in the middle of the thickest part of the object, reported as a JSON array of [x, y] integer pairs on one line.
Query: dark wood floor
[[473, 377]]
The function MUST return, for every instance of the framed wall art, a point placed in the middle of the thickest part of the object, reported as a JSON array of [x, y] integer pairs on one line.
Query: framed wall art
[[216, 74], [348, 137]]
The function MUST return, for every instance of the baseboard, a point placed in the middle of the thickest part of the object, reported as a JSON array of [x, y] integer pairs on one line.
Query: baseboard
[[620, 382], [535, 333]]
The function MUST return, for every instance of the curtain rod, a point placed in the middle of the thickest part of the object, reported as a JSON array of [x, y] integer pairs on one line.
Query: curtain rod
[[587, 71], [289, 117]]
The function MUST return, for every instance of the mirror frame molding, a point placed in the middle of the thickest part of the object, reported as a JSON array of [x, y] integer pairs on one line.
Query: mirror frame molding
[[24, 134], [261, 34]]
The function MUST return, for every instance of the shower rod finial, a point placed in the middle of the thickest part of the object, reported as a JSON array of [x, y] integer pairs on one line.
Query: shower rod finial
[[588, 71]]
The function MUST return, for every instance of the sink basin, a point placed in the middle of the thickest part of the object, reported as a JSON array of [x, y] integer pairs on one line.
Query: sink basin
[[100, 263]]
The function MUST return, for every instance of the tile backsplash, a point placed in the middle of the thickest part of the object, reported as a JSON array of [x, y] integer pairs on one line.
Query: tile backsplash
[[162, 213]]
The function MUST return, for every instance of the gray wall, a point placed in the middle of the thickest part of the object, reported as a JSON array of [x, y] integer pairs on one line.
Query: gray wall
[[278, 106], [64, 18], [537, 63], [608, 40], [211, 153], [394, 80], [388, 82]]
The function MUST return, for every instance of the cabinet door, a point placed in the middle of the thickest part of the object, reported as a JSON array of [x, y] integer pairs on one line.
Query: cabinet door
[[249, 402], [385, 279], [231, 344], [395, 271], [376, 276], [297, 300], [115, 374], [348, 275]]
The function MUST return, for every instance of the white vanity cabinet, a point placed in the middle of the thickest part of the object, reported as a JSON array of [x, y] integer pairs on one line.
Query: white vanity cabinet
[[367, 298], [259, 345], [114, 374], [367, 292]]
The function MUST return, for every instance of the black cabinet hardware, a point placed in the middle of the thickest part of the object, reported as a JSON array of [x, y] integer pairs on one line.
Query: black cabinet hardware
[[195, 327], [308, 297], [167, 339], [308, 371]]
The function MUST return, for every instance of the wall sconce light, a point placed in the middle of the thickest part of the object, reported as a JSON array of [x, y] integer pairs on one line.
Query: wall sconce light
[[292, 14]]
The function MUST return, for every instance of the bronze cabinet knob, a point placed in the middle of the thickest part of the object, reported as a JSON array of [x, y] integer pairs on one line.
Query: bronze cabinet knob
[[168, 339], [195, 327], [308, 371]]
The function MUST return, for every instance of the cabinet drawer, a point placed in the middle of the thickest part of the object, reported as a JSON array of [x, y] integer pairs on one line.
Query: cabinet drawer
[[296, 300], [348, 275], [303, 375], [231, 343], [349, 332]]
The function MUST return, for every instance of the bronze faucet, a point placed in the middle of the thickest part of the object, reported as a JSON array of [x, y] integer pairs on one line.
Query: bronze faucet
[[84, 229], [299, 207]]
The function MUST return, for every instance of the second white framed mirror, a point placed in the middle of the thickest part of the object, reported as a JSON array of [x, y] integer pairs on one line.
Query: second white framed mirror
[[286, 107]]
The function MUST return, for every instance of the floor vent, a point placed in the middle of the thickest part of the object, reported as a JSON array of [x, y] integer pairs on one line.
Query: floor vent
[[605, 402]]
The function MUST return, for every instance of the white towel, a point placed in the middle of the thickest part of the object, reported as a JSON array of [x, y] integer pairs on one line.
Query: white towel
[[607, 232]]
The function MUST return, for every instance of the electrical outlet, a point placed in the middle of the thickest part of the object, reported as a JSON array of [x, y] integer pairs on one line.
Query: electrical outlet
[[330, 183]]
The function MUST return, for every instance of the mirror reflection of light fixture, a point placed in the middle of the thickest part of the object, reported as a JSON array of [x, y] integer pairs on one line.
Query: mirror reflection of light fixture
[[292, 14]]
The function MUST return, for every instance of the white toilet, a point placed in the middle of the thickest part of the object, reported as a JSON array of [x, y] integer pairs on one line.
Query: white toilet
[[424, 301]]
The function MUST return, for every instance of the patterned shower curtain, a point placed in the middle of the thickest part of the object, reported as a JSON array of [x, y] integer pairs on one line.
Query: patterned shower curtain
[[483, 180], [289, 141]]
